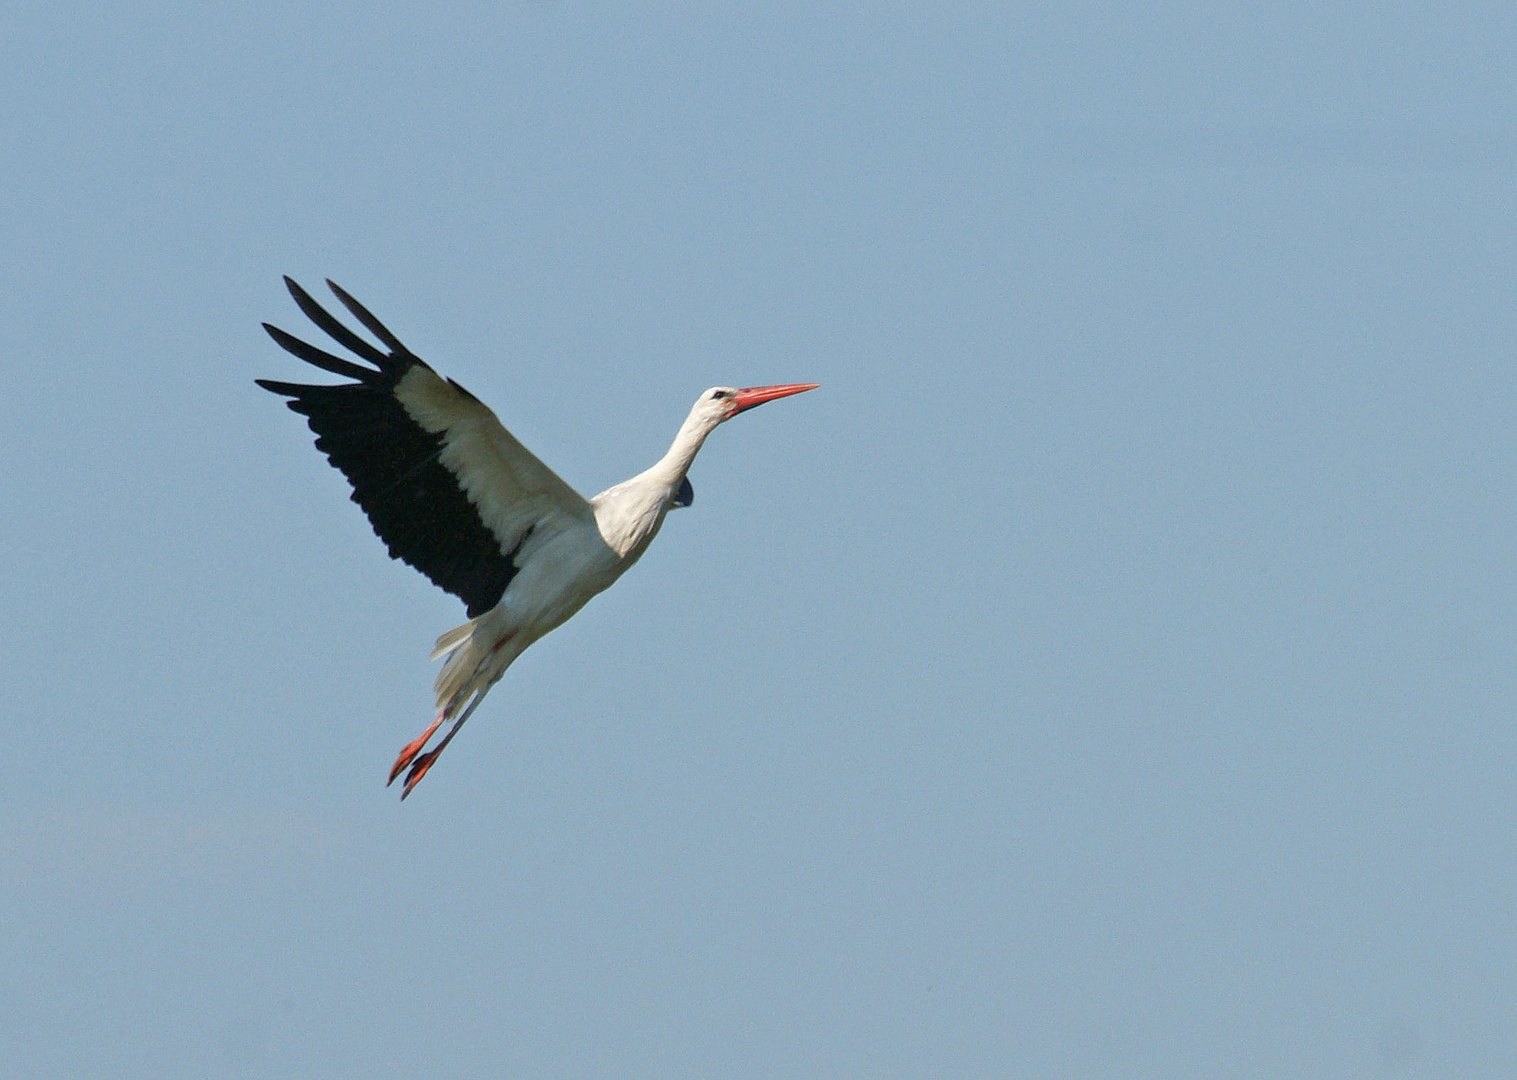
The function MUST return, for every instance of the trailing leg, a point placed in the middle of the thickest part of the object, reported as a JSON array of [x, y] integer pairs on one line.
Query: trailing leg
[[413, 747], [424, 762]]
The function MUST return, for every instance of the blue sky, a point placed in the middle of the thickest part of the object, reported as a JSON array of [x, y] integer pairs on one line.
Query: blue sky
[[1106, 673]]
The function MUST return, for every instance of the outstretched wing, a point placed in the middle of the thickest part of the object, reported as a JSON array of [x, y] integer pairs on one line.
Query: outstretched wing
[[446, 487]]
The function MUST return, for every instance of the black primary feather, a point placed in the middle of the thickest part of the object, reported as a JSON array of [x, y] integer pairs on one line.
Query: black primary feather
[[414, 501]]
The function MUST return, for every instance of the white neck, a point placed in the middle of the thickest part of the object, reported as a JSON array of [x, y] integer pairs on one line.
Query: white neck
[[671, 468], [629, 514]]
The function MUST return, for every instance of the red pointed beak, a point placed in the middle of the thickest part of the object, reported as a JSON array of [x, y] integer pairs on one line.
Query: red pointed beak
[[757, 395]]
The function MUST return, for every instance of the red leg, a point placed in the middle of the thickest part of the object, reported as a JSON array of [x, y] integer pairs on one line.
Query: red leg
[[419, 769], [412, 748], [420, 766]]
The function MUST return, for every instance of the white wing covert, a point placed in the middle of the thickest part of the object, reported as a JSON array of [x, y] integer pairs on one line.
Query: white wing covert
[[447, 488]]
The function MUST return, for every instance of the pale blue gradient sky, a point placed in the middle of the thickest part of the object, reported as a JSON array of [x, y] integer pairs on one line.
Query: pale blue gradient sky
[[1108, 672]]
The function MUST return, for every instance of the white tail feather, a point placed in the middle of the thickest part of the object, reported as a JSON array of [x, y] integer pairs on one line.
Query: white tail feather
[[457, 676], [474, 662], [453, 638]]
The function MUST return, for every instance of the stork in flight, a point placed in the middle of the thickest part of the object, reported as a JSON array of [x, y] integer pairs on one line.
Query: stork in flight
[[450, 491]]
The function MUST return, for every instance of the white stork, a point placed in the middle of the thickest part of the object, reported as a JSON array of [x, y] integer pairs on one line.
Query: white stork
[[450, 491]]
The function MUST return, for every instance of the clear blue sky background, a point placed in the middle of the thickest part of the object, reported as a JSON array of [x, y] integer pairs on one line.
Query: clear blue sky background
[[1108, 673]]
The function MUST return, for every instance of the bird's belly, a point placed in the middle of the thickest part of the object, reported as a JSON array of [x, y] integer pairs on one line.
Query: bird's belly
[[558, 580]]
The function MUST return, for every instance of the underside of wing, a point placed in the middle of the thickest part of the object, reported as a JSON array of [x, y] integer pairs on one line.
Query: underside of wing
[[446, 487]]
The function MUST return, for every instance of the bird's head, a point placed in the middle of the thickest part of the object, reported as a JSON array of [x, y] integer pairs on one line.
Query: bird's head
[[715, 406], [724, 402]]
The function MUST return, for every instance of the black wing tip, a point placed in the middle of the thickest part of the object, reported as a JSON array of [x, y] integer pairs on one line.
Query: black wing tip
[[294, 391], [322, 359], [341, 293], [373, 325], [300, 296], [348, 301]]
